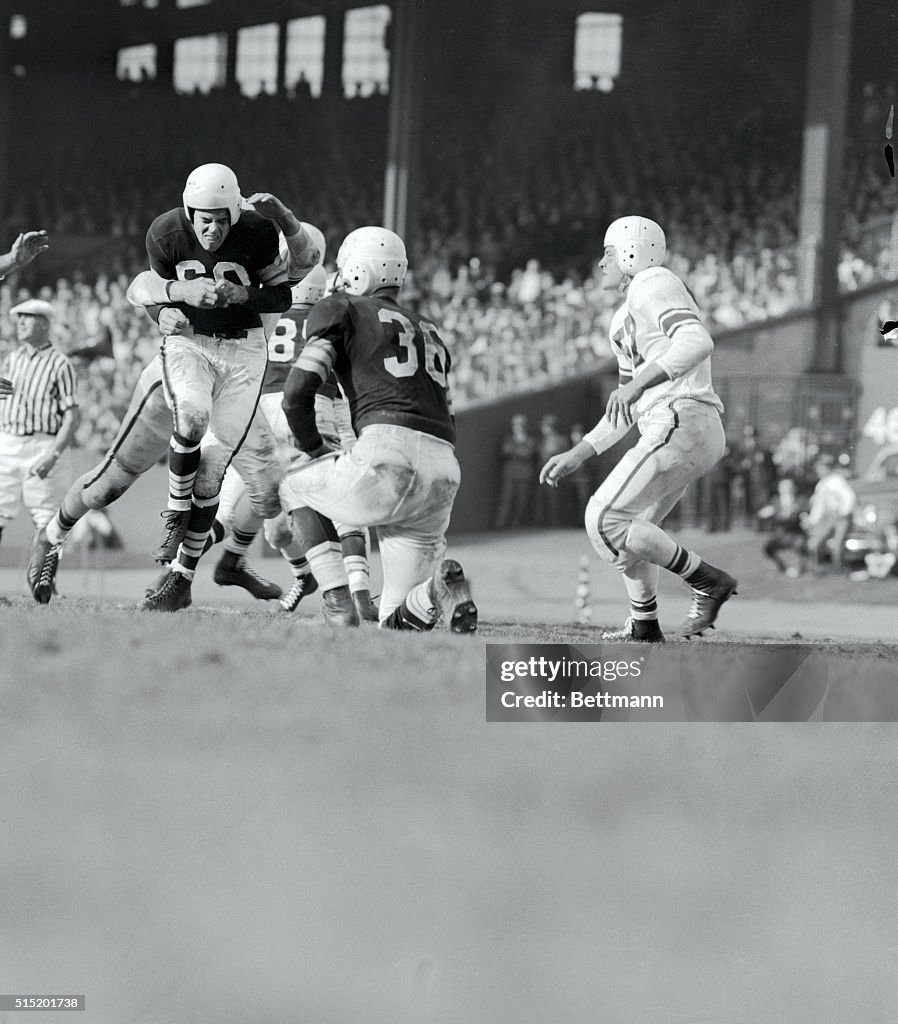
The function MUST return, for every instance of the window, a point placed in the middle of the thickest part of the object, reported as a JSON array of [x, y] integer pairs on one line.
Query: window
[[18, 26], [597, 47], [257, 59], [305, 54], [366, 60], [136, 63], [200, 62]]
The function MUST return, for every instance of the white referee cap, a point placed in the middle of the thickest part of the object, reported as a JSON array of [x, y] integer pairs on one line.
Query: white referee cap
[[34, 307]]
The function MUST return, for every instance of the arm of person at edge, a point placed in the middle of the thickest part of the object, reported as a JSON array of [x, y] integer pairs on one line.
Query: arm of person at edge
[[302, 252], [27, 247], [70, 420]]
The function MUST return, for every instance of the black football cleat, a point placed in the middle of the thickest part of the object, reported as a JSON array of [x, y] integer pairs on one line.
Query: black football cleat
[[338, 608], [451, 597], [366, 608], [232, 571], [172, 595], [302, 587], [634, 631], [175, 530], [707, 602], [42, 565]]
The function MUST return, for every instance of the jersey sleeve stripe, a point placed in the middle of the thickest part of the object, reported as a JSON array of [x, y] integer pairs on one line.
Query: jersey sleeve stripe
[[318, 357], [673, 318]]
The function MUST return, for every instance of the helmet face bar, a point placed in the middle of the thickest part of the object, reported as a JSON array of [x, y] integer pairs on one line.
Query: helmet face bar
[[371, 258], [212, 187], [638, 243]]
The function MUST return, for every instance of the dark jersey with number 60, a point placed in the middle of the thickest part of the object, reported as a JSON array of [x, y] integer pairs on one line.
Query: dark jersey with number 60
[[391, 364], [249, 256]]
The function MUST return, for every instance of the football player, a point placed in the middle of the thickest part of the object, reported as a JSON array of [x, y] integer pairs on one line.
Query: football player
[[222, 269], [402, 475], [332, 414], [664, 358], [143, 439]]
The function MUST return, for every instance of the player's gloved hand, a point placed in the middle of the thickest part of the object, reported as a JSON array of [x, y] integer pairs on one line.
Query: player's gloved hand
[[6, 387], [173, 321], [200, 292], [230, 294]]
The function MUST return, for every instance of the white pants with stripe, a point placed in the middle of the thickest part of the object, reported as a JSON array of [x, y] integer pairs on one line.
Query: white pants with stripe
[[401, 481], [680, 441], [19, 487], [214, 384]]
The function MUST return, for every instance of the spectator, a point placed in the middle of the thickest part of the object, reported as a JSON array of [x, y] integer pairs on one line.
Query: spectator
[[829, 517], [550, 499], [518, 455], [783, 517]]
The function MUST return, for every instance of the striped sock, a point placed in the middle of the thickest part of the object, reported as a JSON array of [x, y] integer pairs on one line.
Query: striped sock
[[644, 611], [183, 463], [238, 542], [684, 562], [202, 516], [416, 613], [326, 562], [419, 601], [299, 566]]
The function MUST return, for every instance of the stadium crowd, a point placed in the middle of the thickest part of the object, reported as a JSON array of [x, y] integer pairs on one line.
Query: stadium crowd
[[505, 252]]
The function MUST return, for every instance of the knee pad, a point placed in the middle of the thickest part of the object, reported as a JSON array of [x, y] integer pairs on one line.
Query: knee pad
[[192, 421], [607, 529], [211, 473]]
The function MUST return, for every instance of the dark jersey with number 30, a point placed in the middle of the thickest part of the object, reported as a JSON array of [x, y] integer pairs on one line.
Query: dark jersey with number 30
[[391, 364]]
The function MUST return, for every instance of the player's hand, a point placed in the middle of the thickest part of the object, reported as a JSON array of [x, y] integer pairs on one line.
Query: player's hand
[[27, 246], [173, 321], [230, 294], [6, 387], [44, 465], [323, 449], [200, 292], [619, 409], [267, 205], [562, 465]]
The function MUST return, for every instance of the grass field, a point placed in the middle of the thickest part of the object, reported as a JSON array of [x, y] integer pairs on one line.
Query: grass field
[[231, 815]]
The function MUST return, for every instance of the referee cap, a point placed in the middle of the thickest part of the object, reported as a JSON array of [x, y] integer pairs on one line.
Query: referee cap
[[33, 307]]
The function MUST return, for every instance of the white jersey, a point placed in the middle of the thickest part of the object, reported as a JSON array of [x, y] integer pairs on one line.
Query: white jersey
[[645, 327]]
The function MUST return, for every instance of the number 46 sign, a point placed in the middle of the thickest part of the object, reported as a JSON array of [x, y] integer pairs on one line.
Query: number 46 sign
[[882, 426]]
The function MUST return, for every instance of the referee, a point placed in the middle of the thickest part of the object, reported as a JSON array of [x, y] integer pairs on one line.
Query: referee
[[38, 419]]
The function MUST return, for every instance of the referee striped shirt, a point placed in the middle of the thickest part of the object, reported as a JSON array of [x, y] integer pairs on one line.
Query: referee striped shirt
[[45, 387]]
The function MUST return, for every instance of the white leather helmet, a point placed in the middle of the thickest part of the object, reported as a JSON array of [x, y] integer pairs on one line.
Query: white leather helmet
[[317, 236], [311, 288], [212, 187], [371, 258], [638, 243]]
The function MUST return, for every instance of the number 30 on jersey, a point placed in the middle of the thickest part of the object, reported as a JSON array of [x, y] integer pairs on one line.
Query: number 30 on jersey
[[435, 360]]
